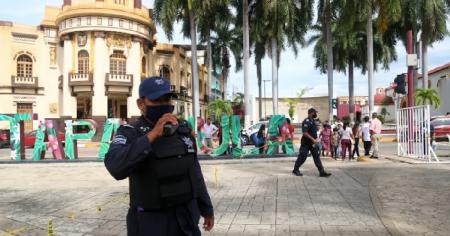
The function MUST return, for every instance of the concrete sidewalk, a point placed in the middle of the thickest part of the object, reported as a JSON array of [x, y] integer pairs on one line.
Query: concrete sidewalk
[[252, 197]]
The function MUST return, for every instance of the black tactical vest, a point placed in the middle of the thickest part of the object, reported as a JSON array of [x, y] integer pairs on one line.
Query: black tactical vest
[[168, 176]]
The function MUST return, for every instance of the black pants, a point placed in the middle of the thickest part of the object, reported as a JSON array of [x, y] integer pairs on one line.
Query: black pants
[[367, 146], [261, 148], [356, 148], [303, 154], [334, 151], [175, 221]]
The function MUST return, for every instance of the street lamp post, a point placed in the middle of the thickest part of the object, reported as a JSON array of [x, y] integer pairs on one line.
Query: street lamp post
[[265, 108]]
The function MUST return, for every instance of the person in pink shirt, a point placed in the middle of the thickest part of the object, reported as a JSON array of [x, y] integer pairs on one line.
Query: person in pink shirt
[[375, 131]]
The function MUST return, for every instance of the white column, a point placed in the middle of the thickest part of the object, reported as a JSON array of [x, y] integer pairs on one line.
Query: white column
[[69, 102], [133, 67], [99, 100]]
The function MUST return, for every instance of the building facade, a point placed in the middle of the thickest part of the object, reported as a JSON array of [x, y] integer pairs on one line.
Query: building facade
[[300, 112], [86, 59]]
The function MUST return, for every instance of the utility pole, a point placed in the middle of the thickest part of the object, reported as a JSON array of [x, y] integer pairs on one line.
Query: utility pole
[[265, 107]]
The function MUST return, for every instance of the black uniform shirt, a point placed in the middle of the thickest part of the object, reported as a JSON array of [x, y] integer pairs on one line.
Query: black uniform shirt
[[130, 148], [309, 126]]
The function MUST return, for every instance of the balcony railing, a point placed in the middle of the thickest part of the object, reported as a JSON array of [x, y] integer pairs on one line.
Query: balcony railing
[[26, 82], [118, 80], [80, 79]]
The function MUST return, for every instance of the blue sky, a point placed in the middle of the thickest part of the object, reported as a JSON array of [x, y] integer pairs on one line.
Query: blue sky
[[294, 73]]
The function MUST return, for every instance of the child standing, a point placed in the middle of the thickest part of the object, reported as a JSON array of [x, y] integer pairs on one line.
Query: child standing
[[335, 140]]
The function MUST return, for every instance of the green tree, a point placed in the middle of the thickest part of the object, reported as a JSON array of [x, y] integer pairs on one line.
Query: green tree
[[166, 13], [348, 51], [219, 107], [285, 23], [353, 11], [227, 39], [427, 97], [292, 102], [212, 14]]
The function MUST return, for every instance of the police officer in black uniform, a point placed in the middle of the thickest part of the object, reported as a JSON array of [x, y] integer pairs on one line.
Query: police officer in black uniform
[[158, 154], [309, 144]]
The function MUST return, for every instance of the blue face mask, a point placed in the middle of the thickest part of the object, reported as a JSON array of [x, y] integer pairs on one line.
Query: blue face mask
[[154, 113]]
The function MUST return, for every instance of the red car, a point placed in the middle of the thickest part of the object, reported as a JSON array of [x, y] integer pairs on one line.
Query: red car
[[4, 137], [441, 127], [30, 138]]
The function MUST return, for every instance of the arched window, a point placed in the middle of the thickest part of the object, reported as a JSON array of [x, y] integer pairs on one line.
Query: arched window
[[83, 62], [117, 64], [144, 66], [24, 66], [165, 72]]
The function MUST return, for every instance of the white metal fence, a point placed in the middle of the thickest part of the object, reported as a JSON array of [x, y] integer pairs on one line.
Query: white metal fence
[[413, 133]]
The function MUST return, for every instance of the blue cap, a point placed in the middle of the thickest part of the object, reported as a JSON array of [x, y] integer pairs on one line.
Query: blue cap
[[155, 87], [312, 110]]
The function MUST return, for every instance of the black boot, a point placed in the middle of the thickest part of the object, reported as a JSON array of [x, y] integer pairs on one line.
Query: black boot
[[323, 173], [296, 171]]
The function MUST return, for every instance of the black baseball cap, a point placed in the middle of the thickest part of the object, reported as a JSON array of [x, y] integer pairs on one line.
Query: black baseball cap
[[155, 87], [312, 110]]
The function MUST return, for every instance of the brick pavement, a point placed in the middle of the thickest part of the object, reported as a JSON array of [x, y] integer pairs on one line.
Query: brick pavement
[[261, 198]]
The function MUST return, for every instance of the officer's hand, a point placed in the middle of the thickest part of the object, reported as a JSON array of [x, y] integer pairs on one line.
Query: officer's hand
[[316, 141], [158, 130], [208, 224]]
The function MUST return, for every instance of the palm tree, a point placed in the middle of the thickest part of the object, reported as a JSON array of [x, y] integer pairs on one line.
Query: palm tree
[[219, 107], [212, 14], [325, 16], [427, 97], [227, 39], [388, 13], [285, 23], [239, 100], [166, 13], [433, 18], [348, 52]]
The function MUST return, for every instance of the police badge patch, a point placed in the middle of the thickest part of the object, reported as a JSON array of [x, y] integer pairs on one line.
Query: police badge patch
[[119, 139], [189, 144]]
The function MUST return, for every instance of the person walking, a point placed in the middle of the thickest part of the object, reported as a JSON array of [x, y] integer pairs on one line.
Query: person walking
[[366, 136], [209, 130], [335, 139], [325, 136], [167, 188], [375, 131], [309, 144], [357, 133], [346, 143]]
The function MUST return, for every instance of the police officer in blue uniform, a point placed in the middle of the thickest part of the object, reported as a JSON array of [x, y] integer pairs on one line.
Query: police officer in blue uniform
[[309, 143], [167, 189]]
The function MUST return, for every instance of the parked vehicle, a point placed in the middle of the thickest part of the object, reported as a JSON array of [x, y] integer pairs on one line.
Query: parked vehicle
[[441, 127], [30, 138], [4, 137], [247, 132]]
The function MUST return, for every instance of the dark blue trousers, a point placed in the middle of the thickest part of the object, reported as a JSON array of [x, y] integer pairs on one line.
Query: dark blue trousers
[[303, 154], [181, 220]]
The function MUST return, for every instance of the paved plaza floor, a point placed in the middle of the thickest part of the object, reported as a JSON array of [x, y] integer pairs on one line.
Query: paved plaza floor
[[253, 197]]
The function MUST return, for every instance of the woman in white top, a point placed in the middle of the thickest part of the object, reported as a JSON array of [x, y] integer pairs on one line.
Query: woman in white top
[[346, 134], [366, 136]]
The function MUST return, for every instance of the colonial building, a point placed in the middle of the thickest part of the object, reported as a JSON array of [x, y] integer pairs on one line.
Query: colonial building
[[86, 59]]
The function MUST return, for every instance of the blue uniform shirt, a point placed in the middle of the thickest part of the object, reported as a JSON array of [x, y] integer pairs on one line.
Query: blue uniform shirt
[[309, 126], [127, 151]]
